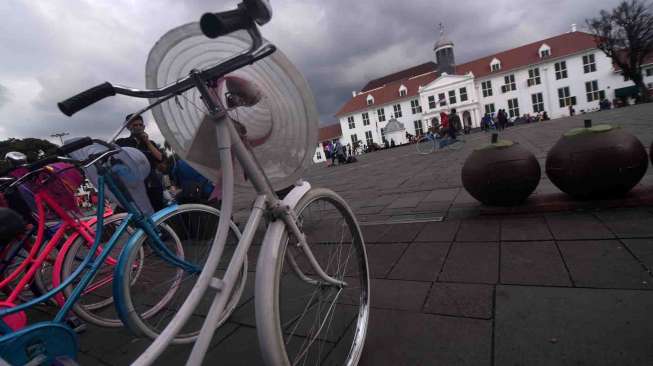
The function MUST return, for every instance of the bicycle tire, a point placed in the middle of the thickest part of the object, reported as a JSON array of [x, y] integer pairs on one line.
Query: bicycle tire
[[100, 311], [280, 330], [135, 298], [425, 146]]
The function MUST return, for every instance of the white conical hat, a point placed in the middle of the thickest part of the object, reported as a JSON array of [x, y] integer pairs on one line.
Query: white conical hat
[[281, 128]]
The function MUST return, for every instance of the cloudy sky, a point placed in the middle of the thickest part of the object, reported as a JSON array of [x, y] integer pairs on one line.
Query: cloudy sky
[[52, 49]]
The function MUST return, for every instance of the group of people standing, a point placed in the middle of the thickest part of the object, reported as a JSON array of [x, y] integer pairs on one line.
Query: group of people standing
[[339, 152]]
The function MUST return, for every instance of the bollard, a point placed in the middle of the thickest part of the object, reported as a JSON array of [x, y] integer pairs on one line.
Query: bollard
[[495, 138]]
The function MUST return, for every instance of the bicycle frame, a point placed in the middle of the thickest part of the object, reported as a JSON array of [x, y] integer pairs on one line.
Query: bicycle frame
[[34, 259], [266, 202], [98, 254]]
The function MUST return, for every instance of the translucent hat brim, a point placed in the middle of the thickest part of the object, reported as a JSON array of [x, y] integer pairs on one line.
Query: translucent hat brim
[[281, 129]]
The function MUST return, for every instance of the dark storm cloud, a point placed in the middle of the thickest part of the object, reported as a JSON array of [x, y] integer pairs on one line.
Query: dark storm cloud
[[51, 50]]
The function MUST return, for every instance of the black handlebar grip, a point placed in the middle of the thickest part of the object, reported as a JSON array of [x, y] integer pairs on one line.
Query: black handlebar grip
[[214, 25], [82, 100], [74, 145]]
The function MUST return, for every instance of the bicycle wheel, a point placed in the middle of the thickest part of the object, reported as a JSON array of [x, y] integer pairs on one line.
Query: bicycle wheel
[[153, 296], [425, 146], [95, 304], [301, 321]]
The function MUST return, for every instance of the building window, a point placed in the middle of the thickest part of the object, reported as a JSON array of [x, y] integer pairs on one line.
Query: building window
[[415, 107], [354, 140], [486, 86], [397, 108], [402, 92], [432, 102], [561, 70], [442, 99], [534, 77], [380, 113], [588, 63], [545, 53], [350, 121], [649, 71], [592, 91], [513, 108], [452, 97], [368, 138], [495, 65], [463, 94], [318, 155], [370, 99], [418, 127], [538, 102], [565, 98], [366, 119], [509, 83], [489, 108]]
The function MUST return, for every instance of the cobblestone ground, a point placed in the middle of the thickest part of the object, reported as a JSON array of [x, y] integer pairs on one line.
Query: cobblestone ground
[[552, 282]]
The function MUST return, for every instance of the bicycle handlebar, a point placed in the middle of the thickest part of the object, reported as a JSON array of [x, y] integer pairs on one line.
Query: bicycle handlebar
[[214, 25], [84, 99], [74, 145], [244, 17]]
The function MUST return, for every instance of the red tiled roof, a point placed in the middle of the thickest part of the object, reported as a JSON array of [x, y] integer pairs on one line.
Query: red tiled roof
[[330, 132], [561, 45], [399, 75], [388, 93]]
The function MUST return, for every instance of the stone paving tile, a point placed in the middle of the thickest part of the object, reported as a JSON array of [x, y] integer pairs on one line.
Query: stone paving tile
[[486, 229], [460, 299], [532, 263], [366, 210], [373, 233], [426, 206], [241, 348], [577, 226], [562, 326], [603, 263], [521, 229], [399, 295], [401, 233], [442, 195], [643, 250], [381, 258], [439, 231], [472, 262], [628, 223], [404, 338], [407, 200], [420, 262]]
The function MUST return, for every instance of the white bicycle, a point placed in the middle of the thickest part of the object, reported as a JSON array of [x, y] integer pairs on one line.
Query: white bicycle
[[235, 99]]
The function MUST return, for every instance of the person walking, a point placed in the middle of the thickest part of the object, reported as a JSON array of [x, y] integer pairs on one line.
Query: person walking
[[455, 124]]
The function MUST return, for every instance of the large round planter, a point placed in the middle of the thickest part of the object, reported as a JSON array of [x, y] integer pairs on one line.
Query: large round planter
[[501, 173], [596, 162]]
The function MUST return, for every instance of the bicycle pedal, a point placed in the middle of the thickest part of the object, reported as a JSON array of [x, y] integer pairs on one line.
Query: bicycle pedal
[[77, 325]]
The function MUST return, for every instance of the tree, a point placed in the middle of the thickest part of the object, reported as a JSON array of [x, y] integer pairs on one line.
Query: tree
[[32, 147], [626, 36]]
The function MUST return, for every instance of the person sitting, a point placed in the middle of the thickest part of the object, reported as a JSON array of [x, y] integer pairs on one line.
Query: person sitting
[[192, 187]]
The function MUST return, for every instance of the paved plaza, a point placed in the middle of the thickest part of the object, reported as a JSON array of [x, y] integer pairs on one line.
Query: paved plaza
[[551, 282]]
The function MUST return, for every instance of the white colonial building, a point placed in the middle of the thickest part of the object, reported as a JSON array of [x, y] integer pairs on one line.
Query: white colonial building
[[548, 75]]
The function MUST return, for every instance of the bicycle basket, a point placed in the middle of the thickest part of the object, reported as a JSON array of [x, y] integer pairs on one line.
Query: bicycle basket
[[130, 166], [59, 181], [281, 129]]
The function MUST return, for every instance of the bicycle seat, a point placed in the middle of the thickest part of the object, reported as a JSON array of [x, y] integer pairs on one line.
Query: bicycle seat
[[11, 224]]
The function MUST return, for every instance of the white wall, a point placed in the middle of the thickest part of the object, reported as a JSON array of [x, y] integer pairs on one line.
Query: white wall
[[607, 79], [407, 118]]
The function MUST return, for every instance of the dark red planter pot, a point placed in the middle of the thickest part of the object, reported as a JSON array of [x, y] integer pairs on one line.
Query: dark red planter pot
[[596, 162], [501, 174]]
